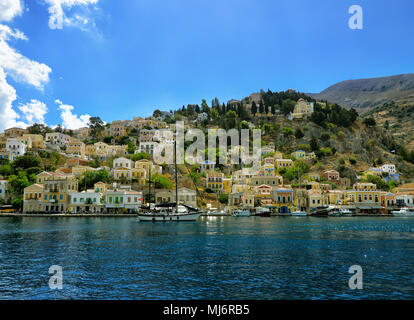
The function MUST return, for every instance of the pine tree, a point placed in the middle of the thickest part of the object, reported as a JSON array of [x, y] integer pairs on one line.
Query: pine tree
[[261, 107], [254, 108]]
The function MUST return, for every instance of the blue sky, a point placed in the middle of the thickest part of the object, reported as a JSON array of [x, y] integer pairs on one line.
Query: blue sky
[[133, 56]]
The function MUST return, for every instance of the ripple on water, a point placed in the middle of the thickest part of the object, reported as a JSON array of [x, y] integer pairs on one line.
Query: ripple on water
[[226, 258]]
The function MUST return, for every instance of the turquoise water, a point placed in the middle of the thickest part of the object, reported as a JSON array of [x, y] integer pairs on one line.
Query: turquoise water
[[214, 258]]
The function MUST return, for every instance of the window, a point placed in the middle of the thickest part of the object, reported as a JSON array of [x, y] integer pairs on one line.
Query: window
[[74, 199]]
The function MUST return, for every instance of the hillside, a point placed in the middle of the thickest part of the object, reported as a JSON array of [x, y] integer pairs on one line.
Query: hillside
[[397, 119], [365, 94]]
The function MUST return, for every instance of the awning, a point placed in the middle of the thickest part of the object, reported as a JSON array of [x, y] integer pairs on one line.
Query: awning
[[370, 206]]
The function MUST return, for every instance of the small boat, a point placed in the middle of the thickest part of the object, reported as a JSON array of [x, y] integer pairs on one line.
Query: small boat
[[262, 212], [240, 213], [341, 212], [215, 213], [299, 213], [170, 212], [319, 212], [404, 212]]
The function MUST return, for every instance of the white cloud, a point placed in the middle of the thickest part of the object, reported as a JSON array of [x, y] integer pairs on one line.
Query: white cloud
[[34, 111], [21, 69], [10, 9], [58, 18], [7, 95], [70, 120]]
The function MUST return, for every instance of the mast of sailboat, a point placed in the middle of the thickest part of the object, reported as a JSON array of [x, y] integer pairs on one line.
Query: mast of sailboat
[[176, 174], [299, 205]]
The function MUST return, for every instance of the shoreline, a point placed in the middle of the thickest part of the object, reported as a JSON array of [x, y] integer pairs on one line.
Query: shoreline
[[131, 215]]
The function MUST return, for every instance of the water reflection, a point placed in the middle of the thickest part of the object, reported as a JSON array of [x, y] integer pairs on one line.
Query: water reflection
[[215, 258]]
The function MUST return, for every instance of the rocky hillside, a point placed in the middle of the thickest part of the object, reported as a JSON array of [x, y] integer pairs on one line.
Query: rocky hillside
[[365, 94], [397, 119]]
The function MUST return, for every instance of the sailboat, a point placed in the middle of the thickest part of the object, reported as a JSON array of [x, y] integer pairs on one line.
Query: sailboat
[[299, 213], [170, 211]]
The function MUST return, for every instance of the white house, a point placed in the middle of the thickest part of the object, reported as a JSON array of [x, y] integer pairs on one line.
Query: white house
[[388, 168], [202, 116], [402, 199], [123, 163], [57, 138], [147, 147], [15, 147], [86, 202]]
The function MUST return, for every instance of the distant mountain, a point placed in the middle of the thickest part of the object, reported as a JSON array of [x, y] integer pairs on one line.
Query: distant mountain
[[364, 94]]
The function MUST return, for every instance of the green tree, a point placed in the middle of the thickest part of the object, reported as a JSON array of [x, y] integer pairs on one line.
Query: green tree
[[39, 128], [254, 108], [26, 161], [286, 131], [140, 156], [370, 122], [6, 170], [96, 125], [89, 178], [18, 183], [314, 144], [131, 147], [223, 198], [299, 133], [161, 182]]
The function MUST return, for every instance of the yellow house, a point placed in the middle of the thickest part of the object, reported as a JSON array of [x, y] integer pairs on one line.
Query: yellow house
[[284, 163], [36, 140], [76, 147], [315, 199], [278, 155], [56, 191], [32, 198], [44, 176], [122, 173], [302, 109], [363, 193], [333, 197], [227, 185], [214, 181], [117, 129], [365, 186], [139, 174]]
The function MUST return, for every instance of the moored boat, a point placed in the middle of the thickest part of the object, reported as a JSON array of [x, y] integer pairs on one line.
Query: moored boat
[[340, 212], [170, 212], [240, 213], [319, 212], [262, 212], [404, 212], [299, 213]]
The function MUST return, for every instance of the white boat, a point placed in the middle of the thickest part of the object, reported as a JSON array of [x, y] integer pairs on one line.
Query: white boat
[[299, 213], [240, 213], [341, 212], [170, 213], [216, 213], [404, 212], [262, 212]]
